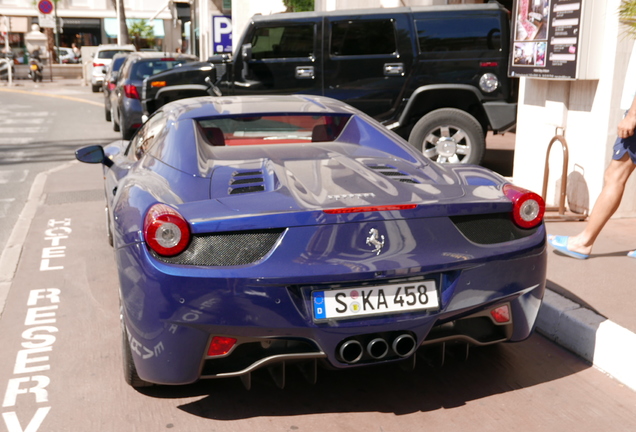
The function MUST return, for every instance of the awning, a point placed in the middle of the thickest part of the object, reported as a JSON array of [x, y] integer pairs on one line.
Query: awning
[[111, 26]]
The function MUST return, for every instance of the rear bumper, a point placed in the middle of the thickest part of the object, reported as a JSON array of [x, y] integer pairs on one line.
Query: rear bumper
[[171, 318]]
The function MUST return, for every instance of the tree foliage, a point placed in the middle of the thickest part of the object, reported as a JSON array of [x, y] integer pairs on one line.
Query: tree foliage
[[141, 30], [627, 16], [299, 5]]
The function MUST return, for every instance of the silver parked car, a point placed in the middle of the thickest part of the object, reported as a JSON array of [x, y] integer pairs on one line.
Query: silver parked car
[[102, 59]]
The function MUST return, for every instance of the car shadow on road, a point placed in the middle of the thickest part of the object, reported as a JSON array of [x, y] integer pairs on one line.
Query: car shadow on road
[[388, 388]]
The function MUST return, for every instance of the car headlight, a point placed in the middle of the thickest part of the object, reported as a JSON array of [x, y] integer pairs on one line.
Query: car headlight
[[488, 82]]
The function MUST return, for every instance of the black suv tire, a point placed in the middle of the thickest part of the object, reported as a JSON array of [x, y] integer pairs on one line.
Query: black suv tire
[[449, 135]]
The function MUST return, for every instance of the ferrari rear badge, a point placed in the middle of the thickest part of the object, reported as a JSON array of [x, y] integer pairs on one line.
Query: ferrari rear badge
[[376, 240]]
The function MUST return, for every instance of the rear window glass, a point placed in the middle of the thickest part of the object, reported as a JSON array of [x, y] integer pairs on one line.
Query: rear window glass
[[451, 34], [117, 63], [355, 38], [272, 129], [145, 68], [295, 41], [108, 54]]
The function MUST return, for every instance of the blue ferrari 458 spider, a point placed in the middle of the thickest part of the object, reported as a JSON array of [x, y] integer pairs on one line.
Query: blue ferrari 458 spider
[[255, 232]]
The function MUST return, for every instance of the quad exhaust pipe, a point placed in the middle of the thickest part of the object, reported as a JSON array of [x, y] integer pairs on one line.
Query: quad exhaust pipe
[[404, 345], [378, 348], [351, 351]]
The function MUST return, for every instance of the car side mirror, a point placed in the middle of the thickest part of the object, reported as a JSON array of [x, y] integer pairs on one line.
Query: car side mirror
[[246, 52], [93, 154]]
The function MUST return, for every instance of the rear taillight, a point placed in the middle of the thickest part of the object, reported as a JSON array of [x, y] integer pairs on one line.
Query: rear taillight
[[98, 65], [165, 230], [527, 207], [131, 91], [220, 345]]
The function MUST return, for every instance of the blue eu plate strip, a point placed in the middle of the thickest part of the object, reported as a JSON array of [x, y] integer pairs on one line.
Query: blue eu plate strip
[[318, 298]]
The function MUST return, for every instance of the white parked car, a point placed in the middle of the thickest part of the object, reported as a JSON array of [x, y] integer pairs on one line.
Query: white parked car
[[67, 55], [102, 59]]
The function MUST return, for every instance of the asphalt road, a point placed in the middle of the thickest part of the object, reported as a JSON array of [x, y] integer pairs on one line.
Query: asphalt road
[[60, 337], [40, 127]]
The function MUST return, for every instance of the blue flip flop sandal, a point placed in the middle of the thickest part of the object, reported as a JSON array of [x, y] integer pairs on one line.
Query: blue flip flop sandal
[[560, 243]]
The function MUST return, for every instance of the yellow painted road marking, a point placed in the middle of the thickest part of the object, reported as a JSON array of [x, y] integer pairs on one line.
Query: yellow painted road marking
[[71, 98]]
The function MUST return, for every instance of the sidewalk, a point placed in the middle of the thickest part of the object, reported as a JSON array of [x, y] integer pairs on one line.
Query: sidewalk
[[589, 306]]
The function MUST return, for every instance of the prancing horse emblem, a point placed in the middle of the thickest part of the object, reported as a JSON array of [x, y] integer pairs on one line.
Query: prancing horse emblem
[[376, 240]]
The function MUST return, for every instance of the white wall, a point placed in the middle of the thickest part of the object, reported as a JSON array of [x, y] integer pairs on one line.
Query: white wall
[[243, 10], [589, 112]]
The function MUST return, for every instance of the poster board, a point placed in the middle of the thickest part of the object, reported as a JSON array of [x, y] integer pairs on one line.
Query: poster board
[[546, 39]]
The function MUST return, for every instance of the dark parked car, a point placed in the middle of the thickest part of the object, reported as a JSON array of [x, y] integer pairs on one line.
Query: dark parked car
[[256, 231], [110, 81], [437, 75], [126, 111]]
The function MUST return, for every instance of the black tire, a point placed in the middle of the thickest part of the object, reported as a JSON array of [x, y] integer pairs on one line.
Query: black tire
[[130, 371], [95, 88], [114, 120], [449, 135], [127, 134]]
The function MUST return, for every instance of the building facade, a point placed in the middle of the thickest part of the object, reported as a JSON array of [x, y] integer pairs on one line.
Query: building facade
[[87, 22]]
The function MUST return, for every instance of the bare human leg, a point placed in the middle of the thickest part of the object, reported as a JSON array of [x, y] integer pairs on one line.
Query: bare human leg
[[616, 177]]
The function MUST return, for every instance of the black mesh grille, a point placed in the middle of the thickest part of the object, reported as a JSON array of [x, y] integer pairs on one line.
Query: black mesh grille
[[226, 249], [252, 181], [248, 173], [247, 189], [490, 228], [247, 181], [390, 171]]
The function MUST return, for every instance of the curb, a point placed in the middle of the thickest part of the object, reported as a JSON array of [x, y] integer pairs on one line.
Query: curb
[[608, 346]]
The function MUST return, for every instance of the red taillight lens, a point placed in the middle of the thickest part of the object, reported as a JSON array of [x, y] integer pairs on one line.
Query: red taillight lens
[[370, 209], [501, 315], [98, 65], [131, 91], [527, 207], [165, 230], [220, 345]]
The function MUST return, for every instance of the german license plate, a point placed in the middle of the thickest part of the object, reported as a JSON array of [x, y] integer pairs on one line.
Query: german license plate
[[382, 299]]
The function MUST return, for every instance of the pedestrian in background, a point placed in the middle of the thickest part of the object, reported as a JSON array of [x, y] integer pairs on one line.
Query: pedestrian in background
[[616, 176], [76, 51]]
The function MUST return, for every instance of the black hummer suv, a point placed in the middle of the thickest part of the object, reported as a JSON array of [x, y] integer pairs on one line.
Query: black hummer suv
[[436, 75]]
